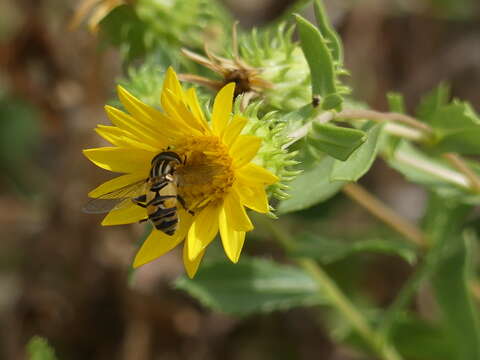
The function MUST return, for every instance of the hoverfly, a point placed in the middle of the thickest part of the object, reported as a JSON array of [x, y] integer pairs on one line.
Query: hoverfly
[[157, 194]]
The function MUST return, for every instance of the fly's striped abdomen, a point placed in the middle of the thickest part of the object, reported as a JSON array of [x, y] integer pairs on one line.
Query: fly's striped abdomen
[[162, 196], [162, 212]]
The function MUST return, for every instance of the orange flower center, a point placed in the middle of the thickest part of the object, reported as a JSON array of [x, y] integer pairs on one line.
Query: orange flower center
[[207, 174]]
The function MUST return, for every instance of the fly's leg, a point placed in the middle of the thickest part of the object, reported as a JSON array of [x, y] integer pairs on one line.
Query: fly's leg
[[140, 201], [182, 202]]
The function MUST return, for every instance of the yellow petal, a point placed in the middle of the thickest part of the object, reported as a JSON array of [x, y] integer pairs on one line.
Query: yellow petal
[[139, 110], [171, 84], [181, 115], [222, 108], [148, 116], [254, 175], [194, 105], [117, 183], [253, 197], [244, 149], [159, 243], [235, 212], [137, 130], [191, 266], [203, 230], [131, 213], [119, 159], [110, 133], [232, 240], [119, 137], [234, 129]]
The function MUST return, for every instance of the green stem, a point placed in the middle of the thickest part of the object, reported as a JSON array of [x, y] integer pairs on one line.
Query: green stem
[[348, 310], [404, 296], [335, 296]]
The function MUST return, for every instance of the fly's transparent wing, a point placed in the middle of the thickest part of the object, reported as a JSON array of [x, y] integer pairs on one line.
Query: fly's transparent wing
[[116, 199]]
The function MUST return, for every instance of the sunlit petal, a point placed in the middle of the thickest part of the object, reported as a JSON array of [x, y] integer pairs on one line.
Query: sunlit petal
[[129, 214], [191, 266], [244, 149], [235, 212], [203, 230], [232, 240], [253, 197], [159, 243], [117, 183], [255, 175], [119, 159], [234, 128], [135, 128], [122, 138], [222, 108]]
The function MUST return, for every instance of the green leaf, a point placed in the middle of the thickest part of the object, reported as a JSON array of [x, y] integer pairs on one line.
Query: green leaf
[[433, 101], [336, 141], [417, 339], [328, 250], [423, 169], [299, 117], [453, 294], [251, 286], [38, 349], [320, 61], [456, 125], [328, 32], [457, 129], [123, 28], [396, 103], [311, 187], [360, 161]]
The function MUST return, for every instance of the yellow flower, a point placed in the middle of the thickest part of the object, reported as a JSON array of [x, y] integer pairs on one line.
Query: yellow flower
[[218, 200]]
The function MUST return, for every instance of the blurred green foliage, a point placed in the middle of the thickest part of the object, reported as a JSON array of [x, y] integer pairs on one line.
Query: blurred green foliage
[[39, 349], [19, 139]]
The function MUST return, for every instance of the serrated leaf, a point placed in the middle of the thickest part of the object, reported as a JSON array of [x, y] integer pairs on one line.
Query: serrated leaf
[[328, 250], [320, 61], [453, 294], [251, 286], [39, 349], [360, 161], [311, 187], [338, 142]]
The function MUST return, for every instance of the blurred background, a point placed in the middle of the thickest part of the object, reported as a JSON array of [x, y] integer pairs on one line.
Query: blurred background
[[65, 277]]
